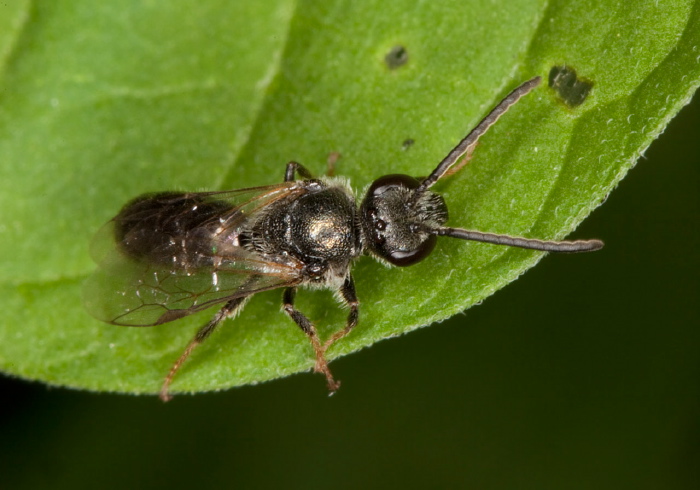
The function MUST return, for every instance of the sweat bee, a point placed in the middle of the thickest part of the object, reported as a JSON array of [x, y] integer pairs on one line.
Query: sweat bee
[[171, 254]]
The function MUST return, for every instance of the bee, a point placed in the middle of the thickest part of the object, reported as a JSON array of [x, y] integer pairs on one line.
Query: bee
[[168, 255]]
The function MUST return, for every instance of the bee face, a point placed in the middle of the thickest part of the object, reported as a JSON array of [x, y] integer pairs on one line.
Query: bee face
[[396, 222]]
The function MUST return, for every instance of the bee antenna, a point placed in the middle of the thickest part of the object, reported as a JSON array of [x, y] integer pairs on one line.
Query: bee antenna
[[529, 243], [470, 140]]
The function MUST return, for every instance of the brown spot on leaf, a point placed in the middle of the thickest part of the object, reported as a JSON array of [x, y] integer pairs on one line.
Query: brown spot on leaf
[[571, 89], [396, 57]]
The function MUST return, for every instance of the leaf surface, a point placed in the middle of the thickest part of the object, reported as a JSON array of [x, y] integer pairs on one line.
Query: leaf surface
[[100, 103]]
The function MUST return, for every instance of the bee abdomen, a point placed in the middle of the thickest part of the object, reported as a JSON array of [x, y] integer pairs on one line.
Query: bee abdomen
[[168, 228]]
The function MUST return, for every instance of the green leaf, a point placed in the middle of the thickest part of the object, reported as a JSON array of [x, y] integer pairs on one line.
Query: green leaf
[[101, 102]]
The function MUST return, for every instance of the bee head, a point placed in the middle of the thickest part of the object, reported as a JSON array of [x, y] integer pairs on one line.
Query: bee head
[[396, 221], [401, 218]]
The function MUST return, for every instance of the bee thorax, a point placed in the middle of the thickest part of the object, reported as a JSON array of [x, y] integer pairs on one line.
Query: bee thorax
[[316, 228]]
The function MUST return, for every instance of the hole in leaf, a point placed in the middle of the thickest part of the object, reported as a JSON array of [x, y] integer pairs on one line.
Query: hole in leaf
[[571, 89], [396, 57], [407, 143]]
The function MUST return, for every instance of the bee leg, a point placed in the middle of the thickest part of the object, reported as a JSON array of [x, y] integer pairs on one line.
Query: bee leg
[[296, 168], [333, 157], [310, 331], [230, 309], [347, 293], [466, 158]]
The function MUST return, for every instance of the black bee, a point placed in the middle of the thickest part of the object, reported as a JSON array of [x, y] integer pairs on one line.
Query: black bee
[[168, 255]]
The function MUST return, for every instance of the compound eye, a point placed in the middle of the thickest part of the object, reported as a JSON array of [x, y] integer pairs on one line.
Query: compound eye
[[388, 221], [412, 255], [388, 182]]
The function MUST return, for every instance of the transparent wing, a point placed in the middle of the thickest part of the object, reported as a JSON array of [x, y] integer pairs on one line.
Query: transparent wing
[[174, 214], [125, 292], [166, 256]]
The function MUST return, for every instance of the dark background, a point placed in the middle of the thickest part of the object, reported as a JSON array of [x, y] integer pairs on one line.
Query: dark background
[[584, 373]]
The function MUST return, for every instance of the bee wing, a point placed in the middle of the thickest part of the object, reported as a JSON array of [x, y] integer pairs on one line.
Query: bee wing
[[222, 210], [125, 292], [154, 281]]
